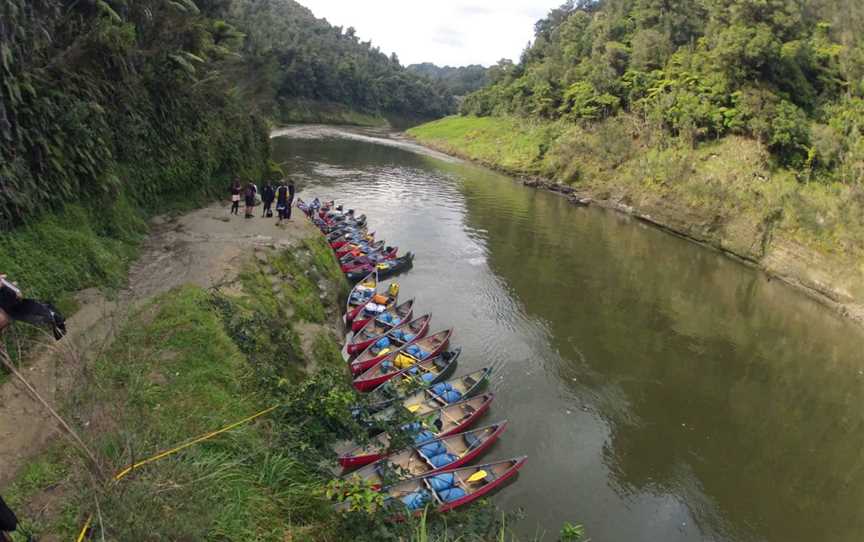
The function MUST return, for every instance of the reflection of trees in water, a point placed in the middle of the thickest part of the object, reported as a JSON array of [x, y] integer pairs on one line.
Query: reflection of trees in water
[[718, 386]]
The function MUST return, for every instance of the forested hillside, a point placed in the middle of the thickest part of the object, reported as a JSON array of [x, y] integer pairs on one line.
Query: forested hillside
[[293, 60], [458, 81], [785, 72]]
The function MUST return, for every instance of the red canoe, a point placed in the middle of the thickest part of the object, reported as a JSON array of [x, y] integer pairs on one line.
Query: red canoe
[[429, 371], [360, 295], [429, 347], [364, 317], [346, 238], [445, 421], [376, 328], [352, 263], [351, 247], [454, 488], [404, 333], [450, 453]]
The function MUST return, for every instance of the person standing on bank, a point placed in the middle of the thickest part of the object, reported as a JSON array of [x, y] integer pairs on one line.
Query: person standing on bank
[[291, 192], [235, 196], [268, 194], [250, 199], [282, 203]]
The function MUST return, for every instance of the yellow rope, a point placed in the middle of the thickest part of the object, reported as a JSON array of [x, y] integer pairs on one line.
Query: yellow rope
[[85, 529], [161, 455]]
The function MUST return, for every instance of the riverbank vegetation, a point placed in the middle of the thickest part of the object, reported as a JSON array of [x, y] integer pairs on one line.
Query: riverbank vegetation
[[193, 361], [733, 122]]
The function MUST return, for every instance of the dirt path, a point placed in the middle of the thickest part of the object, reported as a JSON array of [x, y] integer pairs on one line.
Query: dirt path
[[205, 248]]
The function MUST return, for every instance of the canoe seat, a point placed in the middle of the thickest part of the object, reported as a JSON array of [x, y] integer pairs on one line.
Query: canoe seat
[[471, 440]]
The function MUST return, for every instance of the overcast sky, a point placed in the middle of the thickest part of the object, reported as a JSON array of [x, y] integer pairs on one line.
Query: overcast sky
[[446, 32]]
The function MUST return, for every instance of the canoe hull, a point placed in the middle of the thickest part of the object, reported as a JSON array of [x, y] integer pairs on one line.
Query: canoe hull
[[482, 491], [353, 310], [357, 461], [360, 320], [465, 459], [385, 402], [403, 312], [358, 367], [400, 265], [365, 386]]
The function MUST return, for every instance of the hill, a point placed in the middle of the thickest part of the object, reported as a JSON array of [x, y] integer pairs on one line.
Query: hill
[[458, 81], [301, 68]]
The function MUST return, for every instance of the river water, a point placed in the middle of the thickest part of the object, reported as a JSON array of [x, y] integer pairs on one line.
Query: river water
[[663, 392]]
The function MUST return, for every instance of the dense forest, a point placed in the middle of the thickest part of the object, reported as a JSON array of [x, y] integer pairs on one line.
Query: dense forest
[[786, 72], [291, 55], [458, 81], [90, 88]]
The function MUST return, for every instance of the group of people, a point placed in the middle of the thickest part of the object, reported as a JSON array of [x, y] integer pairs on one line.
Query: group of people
[[283, 195]]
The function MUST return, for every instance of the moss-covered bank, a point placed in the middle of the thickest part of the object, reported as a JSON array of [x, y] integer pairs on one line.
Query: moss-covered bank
[[727, 194]]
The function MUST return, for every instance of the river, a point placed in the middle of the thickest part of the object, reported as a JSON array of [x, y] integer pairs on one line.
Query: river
[[662, 391]]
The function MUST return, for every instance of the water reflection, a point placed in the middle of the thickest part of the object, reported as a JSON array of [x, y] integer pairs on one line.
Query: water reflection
[[663, 391]]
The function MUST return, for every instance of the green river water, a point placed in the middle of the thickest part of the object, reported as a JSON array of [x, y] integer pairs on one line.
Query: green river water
[[662, 391]]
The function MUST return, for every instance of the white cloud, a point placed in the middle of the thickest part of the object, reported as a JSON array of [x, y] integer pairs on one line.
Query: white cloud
[[446, 32]]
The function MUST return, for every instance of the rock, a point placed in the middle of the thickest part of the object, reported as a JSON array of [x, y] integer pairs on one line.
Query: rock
[[577, 200]]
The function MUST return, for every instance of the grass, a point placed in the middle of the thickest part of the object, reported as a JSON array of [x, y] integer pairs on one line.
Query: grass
[[513, 144], [73, 249], [175, 372], [314, 112]]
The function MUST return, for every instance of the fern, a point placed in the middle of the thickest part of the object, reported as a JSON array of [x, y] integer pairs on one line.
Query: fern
[[186, 6], [105, 9]]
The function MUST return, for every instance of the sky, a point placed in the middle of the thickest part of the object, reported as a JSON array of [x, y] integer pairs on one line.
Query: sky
[[446, 32]]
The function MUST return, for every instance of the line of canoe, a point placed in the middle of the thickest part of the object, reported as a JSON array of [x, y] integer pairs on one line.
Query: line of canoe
[[401, 368], [356, 248]]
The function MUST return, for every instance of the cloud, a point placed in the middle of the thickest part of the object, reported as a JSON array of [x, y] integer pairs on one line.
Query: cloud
[[448, 37], [449, 32], [475, 10]]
